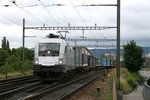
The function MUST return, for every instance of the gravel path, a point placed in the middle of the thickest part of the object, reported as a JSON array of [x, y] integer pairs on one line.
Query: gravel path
[[135, 95]]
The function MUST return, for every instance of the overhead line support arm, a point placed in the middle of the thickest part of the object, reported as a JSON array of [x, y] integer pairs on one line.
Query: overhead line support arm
[[72, 28]]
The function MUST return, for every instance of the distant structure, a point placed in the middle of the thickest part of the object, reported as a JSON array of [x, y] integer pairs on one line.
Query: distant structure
[[147, 60], [84, 50]]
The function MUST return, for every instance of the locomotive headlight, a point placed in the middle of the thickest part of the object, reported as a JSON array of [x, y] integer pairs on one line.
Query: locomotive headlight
[[60, 61], [36, 61], [48, 52]]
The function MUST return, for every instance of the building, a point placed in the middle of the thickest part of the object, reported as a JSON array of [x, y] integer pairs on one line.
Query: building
[[85, 50]]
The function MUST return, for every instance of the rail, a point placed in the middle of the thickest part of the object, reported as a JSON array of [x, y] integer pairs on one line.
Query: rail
[[15, 78], [28, 90], [71, 87], [146, 91]]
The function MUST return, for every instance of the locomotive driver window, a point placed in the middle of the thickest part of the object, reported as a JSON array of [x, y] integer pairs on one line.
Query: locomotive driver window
[[49, 49]]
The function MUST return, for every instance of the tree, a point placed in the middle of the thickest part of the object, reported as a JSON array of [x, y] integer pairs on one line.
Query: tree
[[7, 44], [3, 56], [29, 54], [133, 59], [4, 43]]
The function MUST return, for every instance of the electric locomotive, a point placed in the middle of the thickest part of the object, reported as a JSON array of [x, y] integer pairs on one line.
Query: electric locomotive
[[53, 58]]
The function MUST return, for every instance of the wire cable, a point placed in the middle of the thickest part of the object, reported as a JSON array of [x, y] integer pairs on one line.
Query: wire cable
[[90, 14], [78, 13], [34, 17], [14, 22], [10, 20], [48, 11], [62, 13]]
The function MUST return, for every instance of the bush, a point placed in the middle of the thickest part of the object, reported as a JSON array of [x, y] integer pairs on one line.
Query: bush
[[137, 77], [28, 65], [14, 64], [129, 81], [124, 86], [6, 67], [132, 83]]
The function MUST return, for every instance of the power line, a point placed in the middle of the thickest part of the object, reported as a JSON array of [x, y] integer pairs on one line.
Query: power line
[[45, 7], [14, 22], [26, 11], [90, 14], [62, 13], [78, 12], [48, 11], [10, 20]]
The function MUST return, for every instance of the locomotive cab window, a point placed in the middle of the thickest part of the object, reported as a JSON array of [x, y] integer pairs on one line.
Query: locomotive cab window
[[49, 49]]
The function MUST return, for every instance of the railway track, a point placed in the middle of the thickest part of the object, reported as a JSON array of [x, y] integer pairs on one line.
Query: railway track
[[63, 91], [38, 89], [9, 86], [16, 78]]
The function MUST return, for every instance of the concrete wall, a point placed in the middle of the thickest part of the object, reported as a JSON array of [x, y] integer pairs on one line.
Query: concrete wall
[[146, 91]]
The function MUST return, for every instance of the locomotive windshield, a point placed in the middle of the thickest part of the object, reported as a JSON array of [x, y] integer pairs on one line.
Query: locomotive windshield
[[49, 49]]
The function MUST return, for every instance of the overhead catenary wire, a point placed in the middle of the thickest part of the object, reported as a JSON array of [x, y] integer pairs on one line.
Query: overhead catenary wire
[[45, 7], [61, 12], [90, 14], [48, 12], [10, 20], [34, 17], [79, 16], [64, 16], [78, 13]]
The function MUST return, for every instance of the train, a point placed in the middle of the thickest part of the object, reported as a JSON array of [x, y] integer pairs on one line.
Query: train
[[55, 59]]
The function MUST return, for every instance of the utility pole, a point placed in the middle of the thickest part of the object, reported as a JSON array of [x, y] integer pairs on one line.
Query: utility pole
[[23, 36], [119, 95]]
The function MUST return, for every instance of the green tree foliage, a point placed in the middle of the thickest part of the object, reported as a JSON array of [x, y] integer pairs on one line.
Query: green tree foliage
[[4, 43], [12, 59], [3, 56], [28, 53], [13, 62], [133, 59], [7, 44]]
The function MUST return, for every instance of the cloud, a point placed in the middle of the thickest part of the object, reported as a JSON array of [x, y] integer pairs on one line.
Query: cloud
[[134, 19]]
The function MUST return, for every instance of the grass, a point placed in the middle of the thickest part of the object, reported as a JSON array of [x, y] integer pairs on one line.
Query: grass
[[110, 93], [16, 74], [128, 81]]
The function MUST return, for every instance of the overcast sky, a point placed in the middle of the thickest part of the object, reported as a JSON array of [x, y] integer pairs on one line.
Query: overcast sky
[[135, 19]]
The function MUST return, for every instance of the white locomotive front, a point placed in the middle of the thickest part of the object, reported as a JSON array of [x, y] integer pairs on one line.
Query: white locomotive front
[[53, 57]]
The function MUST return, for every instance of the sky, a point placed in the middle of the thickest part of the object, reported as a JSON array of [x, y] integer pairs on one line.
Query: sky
[[135, 18]]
